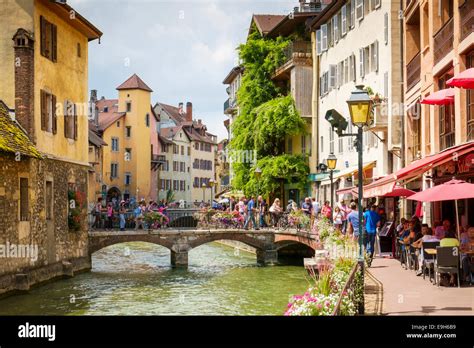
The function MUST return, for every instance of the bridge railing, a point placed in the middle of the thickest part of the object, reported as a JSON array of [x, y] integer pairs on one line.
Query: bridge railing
[[355, 283]]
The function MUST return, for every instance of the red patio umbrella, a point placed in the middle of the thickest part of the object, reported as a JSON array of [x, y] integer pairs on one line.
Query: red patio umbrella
[[451, 190], [399, 191], [464, 79], [441, 97]]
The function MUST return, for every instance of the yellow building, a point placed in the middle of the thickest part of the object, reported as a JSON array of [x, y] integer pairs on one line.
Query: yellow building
[[129, 126], [44, 73]]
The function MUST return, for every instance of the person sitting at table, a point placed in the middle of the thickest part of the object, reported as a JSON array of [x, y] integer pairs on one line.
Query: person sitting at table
[[400, 226], [466, 264], [403, 239], [441, 230], [427, 233]]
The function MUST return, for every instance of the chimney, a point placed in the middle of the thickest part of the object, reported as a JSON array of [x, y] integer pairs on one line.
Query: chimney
[[180, 108], [24, 81], [189, 111]]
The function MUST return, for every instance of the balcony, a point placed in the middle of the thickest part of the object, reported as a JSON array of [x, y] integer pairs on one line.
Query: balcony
[[443, 41], [380, 118], [230, 106], [414, 71], [310, 7], [158, 159], [296, 53], [466, 13]]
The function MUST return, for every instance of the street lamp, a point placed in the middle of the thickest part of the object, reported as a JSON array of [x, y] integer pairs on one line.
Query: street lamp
[[258, 175], [204, 192], [331, 163], [360, 107], [212, 183]]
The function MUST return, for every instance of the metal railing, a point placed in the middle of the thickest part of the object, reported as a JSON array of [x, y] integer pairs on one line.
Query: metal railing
[[351, 284], [414, 71], [466, 12], [443, 41]]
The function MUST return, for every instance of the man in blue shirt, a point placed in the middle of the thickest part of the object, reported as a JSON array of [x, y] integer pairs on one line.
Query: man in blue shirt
[[353, 220], [250, 214], [372, 220]]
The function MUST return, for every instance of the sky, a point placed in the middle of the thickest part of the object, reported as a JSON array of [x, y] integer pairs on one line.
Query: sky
[[183, 50]]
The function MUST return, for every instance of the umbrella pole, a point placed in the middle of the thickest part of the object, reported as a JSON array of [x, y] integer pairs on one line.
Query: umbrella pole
[[457, 219]]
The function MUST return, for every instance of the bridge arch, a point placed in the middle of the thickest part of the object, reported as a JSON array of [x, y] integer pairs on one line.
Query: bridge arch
[[98, 243], [241, 237], [285, 240]]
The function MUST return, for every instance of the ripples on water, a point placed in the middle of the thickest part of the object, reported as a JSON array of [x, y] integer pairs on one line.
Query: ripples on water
[[137, 279]]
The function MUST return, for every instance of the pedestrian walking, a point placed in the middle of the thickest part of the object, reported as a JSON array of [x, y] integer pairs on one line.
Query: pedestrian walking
[[122, 212], [372, 221], [97, 213], [250, 214], [345, 210], [110, 216], [353, 222], [337, 218], [262, 209]]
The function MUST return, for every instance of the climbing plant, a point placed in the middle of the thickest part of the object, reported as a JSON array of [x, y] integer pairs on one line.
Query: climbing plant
[[266, 118]]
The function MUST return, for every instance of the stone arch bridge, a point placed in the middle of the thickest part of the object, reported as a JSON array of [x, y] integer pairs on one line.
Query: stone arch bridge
[[266, 242]]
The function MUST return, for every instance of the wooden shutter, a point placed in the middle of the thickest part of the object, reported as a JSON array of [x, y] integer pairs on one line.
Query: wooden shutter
[[53, 107], [43, 36], [54, 46], [44, 109], [75, 122], [66, 118]]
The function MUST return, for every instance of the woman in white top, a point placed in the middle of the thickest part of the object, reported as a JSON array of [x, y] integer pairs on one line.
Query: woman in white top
[[337, 218]]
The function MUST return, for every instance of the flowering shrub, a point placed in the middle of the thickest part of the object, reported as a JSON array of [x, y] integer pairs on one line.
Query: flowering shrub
[[204, 216], [156, 219], [298, 219], [323, 297]]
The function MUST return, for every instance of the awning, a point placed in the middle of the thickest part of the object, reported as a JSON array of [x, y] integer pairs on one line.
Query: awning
[[441, 97], [348, 191], [387, 184], [464, 79], [349, 172]]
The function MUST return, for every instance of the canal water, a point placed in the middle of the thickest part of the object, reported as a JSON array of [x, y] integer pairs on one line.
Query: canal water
[[136, 279]]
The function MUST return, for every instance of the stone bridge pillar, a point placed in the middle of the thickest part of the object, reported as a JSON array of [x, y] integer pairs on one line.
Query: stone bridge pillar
[[267, 257], [179, 259]]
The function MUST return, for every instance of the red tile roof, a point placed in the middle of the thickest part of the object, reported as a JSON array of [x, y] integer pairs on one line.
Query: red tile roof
[[106, 119], [134, 82], [173, 111], [111, 104]]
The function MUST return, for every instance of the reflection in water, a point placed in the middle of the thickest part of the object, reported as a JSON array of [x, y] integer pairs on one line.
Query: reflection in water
[[136, 279]]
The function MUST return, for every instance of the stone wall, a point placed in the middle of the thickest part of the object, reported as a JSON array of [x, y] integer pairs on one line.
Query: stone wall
[[60, 251]]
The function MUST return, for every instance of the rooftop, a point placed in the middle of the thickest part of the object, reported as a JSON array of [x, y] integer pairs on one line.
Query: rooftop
[[134, 82]]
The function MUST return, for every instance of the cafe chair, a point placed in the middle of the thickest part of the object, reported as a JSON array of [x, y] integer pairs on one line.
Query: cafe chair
[[447, 261], [428, 259]]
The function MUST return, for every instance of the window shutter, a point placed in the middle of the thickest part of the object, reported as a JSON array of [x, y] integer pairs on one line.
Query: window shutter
[[361, 62], [55, 125], [353, 67], [43, 36], [324, 37], [353, 11], [75, 121], [332, 76], [43, 110], [376, 53], [318, 41], [54, 53], [343, 20], [66, 118], [385, 27]]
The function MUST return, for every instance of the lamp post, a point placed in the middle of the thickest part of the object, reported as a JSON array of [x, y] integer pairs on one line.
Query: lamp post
[[258, 174], [212, 183], [204, 193], [360, 107], [331, 163]]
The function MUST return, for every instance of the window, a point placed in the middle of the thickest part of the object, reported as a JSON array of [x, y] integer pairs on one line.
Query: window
[[49, 200], [175, 166], [335, 24], [106, 109], [340, 144], [166, 166], [118, 124], [115, 144], [352, 68], [128, 106], [385, 27], [128, 131], [196, 182], [79, 50], [324, 37], [49, 46], [189, 150], [128, 179], [182, 150], [359, 9], [175, 185], [24, 200], [147, 120], [470, 101], [128, 154], [361, 62], [346, 70], [113, 170], [175, 149], [303, 144], [182, 167], [366, 60], [446, 118], [182, 184], [343, 20], [168, 184], [321, 145], [48, 112], [340, 74], [70, 120]]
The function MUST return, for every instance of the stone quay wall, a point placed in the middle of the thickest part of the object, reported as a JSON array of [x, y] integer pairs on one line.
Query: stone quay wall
[[52, 250]]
